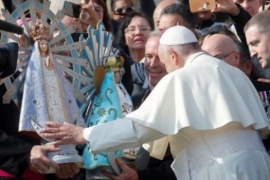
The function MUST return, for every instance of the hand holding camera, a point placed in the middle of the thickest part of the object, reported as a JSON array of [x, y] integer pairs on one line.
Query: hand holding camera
[[89, 15], [226, 6], [86, 14]]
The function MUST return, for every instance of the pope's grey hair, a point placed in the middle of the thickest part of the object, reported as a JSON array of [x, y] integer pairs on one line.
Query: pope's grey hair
[[183, 50]]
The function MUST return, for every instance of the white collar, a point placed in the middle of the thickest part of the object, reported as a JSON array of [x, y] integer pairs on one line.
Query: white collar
[[193, 57]]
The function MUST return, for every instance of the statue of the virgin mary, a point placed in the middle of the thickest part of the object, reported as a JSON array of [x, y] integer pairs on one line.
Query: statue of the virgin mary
[[47, 95], [39, 86]]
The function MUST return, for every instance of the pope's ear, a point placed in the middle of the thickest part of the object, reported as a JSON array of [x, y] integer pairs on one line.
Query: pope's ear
[[174, 57]]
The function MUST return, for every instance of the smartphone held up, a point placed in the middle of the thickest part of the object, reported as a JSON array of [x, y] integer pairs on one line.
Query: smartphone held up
[[72, 9]]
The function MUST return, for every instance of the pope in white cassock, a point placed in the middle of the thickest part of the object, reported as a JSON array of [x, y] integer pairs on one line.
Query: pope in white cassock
[[208, 111]]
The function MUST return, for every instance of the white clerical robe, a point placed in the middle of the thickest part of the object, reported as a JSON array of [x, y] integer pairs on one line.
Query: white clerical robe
[[209, 112]]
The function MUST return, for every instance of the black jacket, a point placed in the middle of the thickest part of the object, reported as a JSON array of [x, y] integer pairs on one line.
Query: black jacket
[[14, 147]]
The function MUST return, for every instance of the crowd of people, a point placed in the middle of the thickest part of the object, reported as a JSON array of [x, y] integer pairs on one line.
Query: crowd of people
[[201, 109]]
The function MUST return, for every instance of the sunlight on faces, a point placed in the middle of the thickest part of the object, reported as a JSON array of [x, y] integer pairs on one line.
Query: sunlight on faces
[[168, 20], [259, 45], [251, 6], [137, 33], [153, 66]]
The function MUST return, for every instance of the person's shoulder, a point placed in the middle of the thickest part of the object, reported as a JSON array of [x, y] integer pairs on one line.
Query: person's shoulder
[[179, 75]]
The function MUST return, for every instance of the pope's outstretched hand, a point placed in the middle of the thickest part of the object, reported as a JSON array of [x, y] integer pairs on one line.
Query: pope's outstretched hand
[[65, 133]]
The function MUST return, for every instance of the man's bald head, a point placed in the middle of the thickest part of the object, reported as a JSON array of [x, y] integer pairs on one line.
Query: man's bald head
[[218, 44], [225, 48], [159, 8]]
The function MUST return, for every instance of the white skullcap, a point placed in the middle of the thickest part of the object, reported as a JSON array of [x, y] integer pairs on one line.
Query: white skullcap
[[177, 35]]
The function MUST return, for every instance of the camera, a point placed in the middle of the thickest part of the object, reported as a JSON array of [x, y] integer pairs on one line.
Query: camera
[[72, 9], [8, 59]]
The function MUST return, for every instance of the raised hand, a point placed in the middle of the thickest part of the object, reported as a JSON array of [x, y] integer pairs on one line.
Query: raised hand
[[227, 6], [89, 15]]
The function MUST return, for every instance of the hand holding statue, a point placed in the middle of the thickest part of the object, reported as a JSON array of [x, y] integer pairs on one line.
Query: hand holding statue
[[48, 96], [40, 163]]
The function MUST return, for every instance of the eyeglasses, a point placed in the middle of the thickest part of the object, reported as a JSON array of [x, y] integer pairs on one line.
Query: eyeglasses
[[123, 11], [142, 29], [223, 56], [213, 29]]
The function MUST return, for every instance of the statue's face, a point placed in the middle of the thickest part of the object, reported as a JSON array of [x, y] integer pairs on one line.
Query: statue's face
[[117, 77], [43, 46]]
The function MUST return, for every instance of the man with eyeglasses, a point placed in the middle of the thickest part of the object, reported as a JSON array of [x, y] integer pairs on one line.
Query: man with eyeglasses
[[222, 47], [229, 50]]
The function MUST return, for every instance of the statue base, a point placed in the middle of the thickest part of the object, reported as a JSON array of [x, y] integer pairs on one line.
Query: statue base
[[67, 154]]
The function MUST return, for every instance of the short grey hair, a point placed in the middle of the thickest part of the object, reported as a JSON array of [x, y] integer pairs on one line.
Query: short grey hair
[[183, 50], [261, 20]]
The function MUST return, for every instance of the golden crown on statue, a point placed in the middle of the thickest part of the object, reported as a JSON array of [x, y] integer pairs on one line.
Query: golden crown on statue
[[40, 31], [114, 62]]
